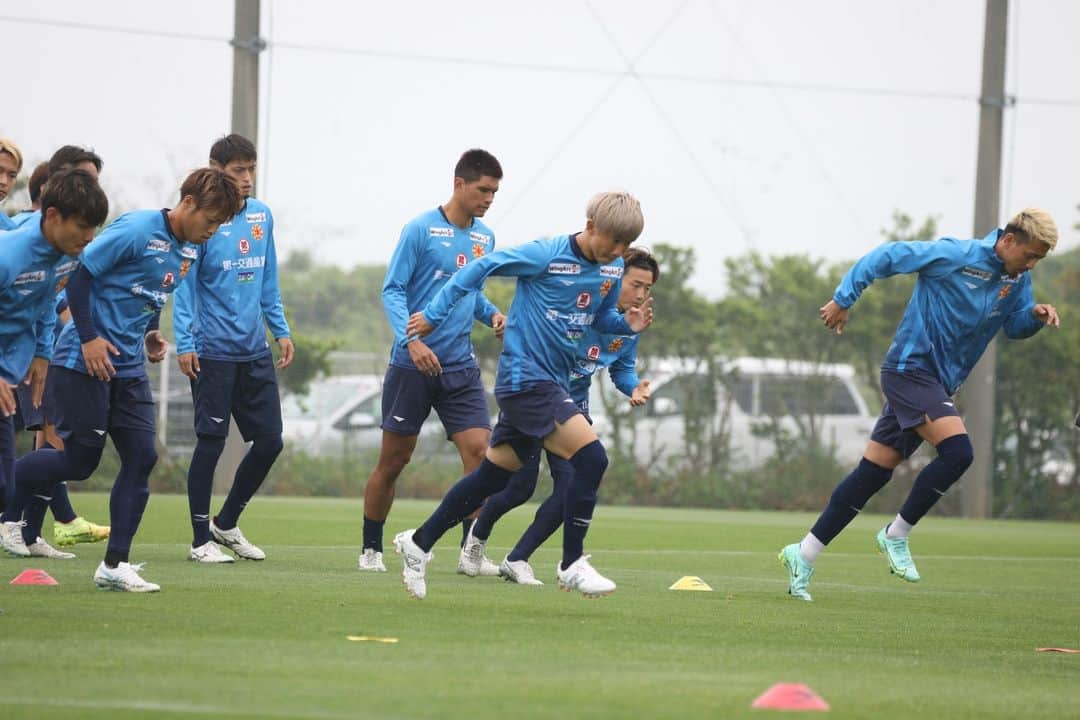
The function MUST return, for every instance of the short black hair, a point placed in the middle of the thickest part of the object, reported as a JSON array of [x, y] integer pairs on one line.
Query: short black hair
[[75, 193], [477, 163], [70, 156], [643, 259], [37, 181], [232, 147]]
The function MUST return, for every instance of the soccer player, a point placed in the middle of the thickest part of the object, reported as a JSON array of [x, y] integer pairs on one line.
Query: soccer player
[[594, 351], [966, 291], [34, 186], [439, 371], [11, 162], [35, 261], [562, 291], [116, 297], [220, 318]]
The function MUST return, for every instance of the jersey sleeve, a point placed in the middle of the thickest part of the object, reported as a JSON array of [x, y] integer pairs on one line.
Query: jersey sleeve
[[1021, 323], [609, 320], [116, 244], [623, 370], [273, 308], [897, 258], [45, 329], [484, 309], [185, 301], [395, 285]]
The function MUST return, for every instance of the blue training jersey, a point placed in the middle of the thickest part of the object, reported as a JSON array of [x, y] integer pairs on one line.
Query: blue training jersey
[[7, 223], [560, 295], [596, 350], [20, 219], [136, 263], [31, 273], [220, 311], [962, 297], [429, 253]]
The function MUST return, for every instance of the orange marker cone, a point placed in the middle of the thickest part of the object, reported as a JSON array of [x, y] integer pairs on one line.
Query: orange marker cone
[[790, 696], [33, 576]]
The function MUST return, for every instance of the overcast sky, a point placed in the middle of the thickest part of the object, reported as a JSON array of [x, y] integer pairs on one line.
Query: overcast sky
[[774, 125]]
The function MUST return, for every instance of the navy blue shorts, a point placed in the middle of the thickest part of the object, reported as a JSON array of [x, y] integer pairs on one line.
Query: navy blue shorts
[[87, 408], [458, 397], [528, 416], [30, 417], [910, 399], [247, 390]]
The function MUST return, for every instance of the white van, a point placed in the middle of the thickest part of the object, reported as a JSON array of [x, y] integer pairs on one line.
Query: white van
[[802, 398]]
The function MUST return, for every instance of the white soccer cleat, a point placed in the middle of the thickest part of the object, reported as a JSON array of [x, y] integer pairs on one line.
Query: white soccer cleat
[[473, 562], [123, 578], [518, 571], [414, 564], [371, 561], [583, 577], [208, 552], [235, 541], [40, 548], [11, 539]]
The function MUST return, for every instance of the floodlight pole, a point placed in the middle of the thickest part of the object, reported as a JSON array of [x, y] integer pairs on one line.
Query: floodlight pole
[[979, 391]]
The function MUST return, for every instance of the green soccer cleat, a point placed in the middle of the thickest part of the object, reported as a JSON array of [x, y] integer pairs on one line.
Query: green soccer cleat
[[799, 572], [79, 530], [899, 555]]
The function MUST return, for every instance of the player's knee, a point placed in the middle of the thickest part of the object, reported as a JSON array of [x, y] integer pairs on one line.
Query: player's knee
[[957, 453], [519, 490], [592, 459], [268, 447], [210, 445], [81, 460]]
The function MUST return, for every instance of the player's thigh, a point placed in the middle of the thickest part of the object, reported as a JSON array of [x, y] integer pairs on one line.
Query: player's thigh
[[935, 431], [570, 436], [407, 396], [81, 405], [256, 401], [212, 394]]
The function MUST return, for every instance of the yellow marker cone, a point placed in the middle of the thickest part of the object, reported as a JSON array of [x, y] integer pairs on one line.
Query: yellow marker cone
[[691, 582], [368, 638]]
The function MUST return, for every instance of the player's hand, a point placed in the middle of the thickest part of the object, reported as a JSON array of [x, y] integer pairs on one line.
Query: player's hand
[[418, 326], [641, 394], [1046, 314], [189, 364], [96, 356], [35, 378], [7, 399], [157, 347], [834, 316], [423, 358], [641, 317], [498, 324], [285, 345]]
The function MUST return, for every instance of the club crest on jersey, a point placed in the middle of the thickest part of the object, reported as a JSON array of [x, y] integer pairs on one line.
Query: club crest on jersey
[[593, 353], [1004, 291], [461, 260], [584, 299], [245, 246], [184, 267], [168, 280], [256, 232], [615, 345], [477, 250], [605, 287]]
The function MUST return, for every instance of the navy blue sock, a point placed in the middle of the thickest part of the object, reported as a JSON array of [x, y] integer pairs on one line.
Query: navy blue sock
[[549, 516], [467, 494], [249, 478], [200, 485], [589, 464], [61, 504], [848, 499], [466, 526], [7, 462], [373, 532], [517, 492], [131, 490], [954, 456], [34, 515]]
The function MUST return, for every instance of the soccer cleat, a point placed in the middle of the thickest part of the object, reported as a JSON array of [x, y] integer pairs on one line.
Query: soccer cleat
[[11, 539], [123, 578], [473, 562], [40, 548], [413, 564], [583, 577], [235, 541], [79, 530], [208, 552], [899, 555], [371, 560], [799, 572], [518, 571]]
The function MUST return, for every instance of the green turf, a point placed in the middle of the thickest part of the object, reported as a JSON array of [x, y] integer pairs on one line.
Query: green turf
[[268, 640]]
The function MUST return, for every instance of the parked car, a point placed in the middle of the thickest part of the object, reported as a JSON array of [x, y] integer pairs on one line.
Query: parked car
[[754, 393]]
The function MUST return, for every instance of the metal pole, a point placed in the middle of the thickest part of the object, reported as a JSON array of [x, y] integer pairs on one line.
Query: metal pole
[[979, 391]]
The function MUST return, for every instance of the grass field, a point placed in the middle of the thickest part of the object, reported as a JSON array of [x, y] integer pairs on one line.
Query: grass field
[[268, 640]]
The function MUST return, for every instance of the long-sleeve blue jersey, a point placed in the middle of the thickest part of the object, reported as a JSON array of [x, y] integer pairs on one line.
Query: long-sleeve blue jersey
[[136, 263], [560, 295], [596, 350], [962, 297], [20, 219], [7, 223], [31, 273], [431, 250], [219, 312]]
